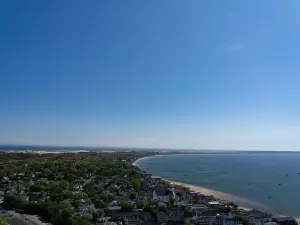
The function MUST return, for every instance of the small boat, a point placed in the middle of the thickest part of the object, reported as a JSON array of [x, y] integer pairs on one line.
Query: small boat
[[270, 197], [279, 184]]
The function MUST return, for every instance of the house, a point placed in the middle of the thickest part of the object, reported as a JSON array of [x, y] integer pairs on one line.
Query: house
[[248, 216], [145, 216], [172, 216], [161, 194], [114, 205], [20, 175], [199, 208], [206, 217], [13, 175], [233, 221], [77, 187], [259, 215], [11, 191], [256, 217], [120, 216], [43, 179], [223, 203], [287, 221], [162, 217], [134, 221], [207, 198], [270, 223], [156, 177], [5, 179], [102, 220], [99, 203], [213, 204], [179, 193], [176, 216], [85, 207]]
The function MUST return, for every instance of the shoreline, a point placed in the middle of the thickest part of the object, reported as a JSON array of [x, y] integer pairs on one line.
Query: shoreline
[[240, 201], [197, 188], [142, 158]]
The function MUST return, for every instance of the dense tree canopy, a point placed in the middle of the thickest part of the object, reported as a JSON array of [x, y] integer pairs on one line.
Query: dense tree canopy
[[56, 184]]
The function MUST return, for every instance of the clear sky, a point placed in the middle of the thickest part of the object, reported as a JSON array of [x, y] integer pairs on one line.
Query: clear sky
[[172, 74]]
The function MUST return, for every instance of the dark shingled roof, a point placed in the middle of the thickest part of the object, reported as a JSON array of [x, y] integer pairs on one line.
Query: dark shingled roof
[[188, 214], [208, 213], [286, 218], [161, 192]]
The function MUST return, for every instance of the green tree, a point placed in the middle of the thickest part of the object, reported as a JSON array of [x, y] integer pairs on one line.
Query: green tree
[[36, 188], [187, 208], [187, 222], [3, 221], [98, 213], [14, 201], [152, 202], [132, 195], [162, 208], [64, 184], [148, 208], [243, 219], [136, 183], [126, 207], [78, 220], [142, 205]]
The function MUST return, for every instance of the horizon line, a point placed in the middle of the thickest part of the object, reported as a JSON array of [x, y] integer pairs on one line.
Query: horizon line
[[61, 147]]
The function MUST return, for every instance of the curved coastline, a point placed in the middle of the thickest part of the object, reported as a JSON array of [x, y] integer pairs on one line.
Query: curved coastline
[[243, 203], [135, 163]]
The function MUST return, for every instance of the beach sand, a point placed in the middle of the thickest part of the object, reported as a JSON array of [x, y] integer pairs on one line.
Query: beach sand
[[216, 194], [140, 159], [241, 202]]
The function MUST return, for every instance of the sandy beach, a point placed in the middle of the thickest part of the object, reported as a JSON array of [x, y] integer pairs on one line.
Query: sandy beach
[[241, 202], [216, 194], [140, 159]]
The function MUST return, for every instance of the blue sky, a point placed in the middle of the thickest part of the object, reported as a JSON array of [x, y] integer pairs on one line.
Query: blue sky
[[172, 74]]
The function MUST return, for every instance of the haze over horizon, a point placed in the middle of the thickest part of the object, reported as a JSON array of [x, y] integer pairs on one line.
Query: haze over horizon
[[171, 74]]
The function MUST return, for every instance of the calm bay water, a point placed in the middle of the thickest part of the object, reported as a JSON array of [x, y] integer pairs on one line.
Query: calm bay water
[[270, 181]]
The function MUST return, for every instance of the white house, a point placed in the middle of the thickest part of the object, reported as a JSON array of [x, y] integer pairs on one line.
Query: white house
[[213, 204]]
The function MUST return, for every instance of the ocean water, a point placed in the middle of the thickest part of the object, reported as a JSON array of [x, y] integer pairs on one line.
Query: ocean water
[[268, 181]]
